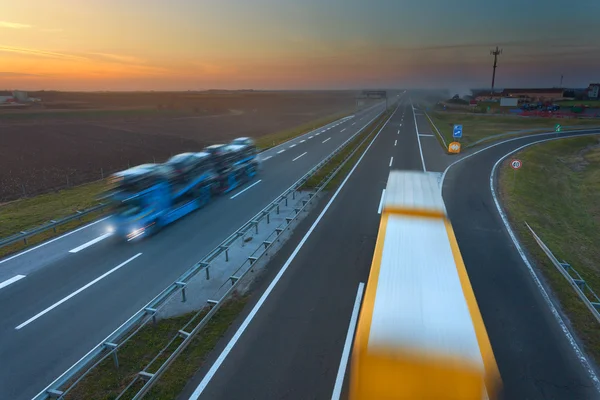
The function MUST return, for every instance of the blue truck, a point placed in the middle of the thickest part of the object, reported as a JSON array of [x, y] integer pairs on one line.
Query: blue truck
[[148, 197]]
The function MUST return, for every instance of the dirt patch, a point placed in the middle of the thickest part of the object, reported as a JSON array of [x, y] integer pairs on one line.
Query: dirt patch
[[44, 150], [581, 160]]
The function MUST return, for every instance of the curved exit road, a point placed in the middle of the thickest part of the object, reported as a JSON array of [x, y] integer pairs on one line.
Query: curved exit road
[[535, 357]]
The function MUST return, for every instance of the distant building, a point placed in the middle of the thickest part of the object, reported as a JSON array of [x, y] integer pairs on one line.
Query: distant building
[[593, 91], [6, 97], [524, 95], [551, 94]]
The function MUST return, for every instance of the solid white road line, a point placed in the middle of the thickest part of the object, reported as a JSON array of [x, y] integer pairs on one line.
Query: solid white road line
[[300, 156], [266, 158], [339, 380], [52, 240], [343, 130], [293, 145], [11, 280], [395, 142], [75, 293], [326, 139], [91, 242], [425, 135], [280, 151], [302, 141], [254, 184], [582, 358], [215, 367], [381, 202], [418, 138], [391, 161]]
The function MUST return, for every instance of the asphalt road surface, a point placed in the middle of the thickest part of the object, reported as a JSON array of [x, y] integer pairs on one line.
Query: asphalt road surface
[[292, 347], [289, 343], [62, 298], [534, 357]]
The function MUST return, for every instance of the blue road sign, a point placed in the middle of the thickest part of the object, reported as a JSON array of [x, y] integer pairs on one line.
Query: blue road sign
[[457, 133]]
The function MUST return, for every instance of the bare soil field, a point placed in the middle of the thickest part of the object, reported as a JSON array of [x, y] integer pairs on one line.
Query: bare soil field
[[74, 138]]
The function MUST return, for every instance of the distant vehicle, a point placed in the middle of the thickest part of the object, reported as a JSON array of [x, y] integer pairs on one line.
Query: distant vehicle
[[150, 196]]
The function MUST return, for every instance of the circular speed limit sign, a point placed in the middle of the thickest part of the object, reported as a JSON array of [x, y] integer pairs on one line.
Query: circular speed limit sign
[[516, 164]]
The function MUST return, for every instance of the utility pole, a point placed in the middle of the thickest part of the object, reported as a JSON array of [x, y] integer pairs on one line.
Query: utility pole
[[495, 53]]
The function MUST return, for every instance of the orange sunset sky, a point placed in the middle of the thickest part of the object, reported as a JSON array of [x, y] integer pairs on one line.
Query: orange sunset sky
[[267, 44]]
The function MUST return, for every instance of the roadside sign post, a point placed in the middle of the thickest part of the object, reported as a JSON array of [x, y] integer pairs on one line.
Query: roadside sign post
[[457, 131], [515, 164]]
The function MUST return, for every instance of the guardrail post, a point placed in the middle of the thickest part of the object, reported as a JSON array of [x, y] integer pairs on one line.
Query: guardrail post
[[153, 312], [113, 347], [207, 273], [293, 195], [268, 219], [182, 286], [286, 203], [256, 226], [580, 283], [277, 208], [54, 394], [234, 279], [267, 243]]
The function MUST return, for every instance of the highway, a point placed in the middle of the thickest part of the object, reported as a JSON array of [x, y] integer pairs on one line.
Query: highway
[[293, 344], [293, 339], [62, 298]]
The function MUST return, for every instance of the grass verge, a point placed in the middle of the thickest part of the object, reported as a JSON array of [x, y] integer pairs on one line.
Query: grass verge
[[334, 163], [274, 139], [28, 213], [106, 381], [556, 192], [478, 127]]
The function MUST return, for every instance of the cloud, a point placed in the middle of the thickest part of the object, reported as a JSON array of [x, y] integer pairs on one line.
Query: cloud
[[119, 58], [10, 74], [13, 25], [41, 53], [52, 30]]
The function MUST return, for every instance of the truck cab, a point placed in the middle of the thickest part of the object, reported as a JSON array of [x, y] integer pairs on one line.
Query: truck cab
[[138, 194]]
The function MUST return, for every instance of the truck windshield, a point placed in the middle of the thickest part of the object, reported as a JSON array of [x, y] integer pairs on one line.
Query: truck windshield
[[129, 208]]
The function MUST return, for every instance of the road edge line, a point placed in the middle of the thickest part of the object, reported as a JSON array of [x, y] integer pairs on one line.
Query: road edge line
[[578, 352], [418, 137], [339, 380]]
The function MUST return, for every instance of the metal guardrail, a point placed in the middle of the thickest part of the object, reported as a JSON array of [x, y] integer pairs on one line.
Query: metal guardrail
[[109, 346], [585, 293], [24, 235]]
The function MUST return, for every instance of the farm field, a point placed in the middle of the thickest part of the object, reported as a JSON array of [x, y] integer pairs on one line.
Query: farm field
[[75, 138]]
